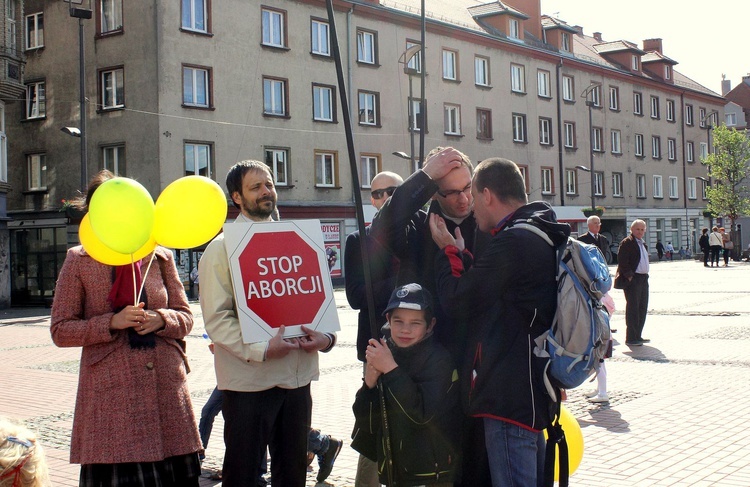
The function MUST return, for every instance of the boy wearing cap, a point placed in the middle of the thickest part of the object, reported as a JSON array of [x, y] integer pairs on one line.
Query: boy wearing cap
[[421, 396]]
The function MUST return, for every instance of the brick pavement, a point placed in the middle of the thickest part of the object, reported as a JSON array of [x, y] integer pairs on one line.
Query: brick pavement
[[676, 416]]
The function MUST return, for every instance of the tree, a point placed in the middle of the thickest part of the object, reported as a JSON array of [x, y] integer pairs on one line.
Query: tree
[[728, 166]]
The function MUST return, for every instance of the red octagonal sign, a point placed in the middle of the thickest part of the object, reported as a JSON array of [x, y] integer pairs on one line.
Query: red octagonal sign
[[282, 280]]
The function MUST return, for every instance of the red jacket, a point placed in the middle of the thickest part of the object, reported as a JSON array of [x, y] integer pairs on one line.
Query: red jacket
[[132, 405]]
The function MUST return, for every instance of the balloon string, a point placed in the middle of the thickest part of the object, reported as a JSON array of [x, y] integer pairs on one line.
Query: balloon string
[[132, 268], [143, 279]]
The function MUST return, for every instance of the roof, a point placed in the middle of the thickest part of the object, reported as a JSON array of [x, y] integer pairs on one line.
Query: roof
[[553, 23], [654, 56], [617, 46], [495, 8], [740, 95]]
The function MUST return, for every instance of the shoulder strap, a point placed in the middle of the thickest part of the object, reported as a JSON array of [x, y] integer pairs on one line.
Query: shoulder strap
[[535, 230]]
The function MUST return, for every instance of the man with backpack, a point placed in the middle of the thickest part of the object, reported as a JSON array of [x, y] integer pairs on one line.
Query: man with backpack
[[511, 291]]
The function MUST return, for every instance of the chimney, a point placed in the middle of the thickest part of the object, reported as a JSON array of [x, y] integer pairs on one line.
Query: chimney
[[726, 85], [578, 29], [598, 36], [652, 45], [746, 79]]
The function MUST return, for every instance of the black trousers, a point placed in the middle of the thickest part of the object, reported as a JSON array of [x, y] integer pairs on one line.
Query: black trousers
[[276, 418], [715, 251], [706, 252], [636, 298]]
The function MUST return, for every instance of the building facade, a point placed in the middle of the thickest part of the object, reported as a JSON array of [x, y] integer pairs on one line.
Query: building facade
[[190, 87]]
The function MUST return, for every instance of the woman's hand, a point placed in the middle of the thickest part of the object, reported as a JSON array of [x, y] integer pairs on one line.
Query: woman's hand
[[128, 317], [154, 322]]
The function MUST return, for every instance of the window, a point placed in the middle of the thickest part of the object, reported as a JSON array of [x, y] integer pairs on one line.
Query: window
[[415, 63], [702, 119], [112, 88], [10, 19], [484, 124], [598, 183], [565, 41], [450, 62], [36, 165], [656, 147], [113, 159], [548, 186], [570, 134], [36, 100], [319, 38], [517, 78], [617, 184], [689, 151], [367, 47], [324, 104], [278, 160], [519, 127], [35, 31], [614, 98], [596, 139], [635, 63], [369, 167], [704, 151], [658, 187], [616, 142], [688, 114], [672, 149], [692, 189], [654, 107], [482, 71], [275, 97], [545, 131], [3, 143], [273, 27], [670, 110], [325, 169], [596, 96], [640, 185], [571, 181], [198, 160], [110, 16], [369, 108], [195, 15], [514, 29], [542, 78], [729, 118], [673, 188], [667, 72], [452, 119], [568, 88], [415, 116], [704, 190], [637, 103], [196, 87], [525, 174], [639, 145]]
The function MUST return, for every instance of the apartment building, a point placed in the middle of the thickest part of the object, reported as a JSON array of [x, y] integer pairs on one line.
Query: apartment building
[[192, 86]]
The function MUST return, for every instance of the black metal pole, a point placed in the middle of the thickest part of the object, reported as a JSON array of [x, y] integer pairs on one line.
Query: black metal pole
[[374, 328], [591, 154], [82, 101], [422, 104]]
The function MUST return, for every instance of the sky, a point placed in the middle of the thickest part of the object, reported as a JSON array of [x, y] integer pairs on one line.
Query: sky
[[707, 39]]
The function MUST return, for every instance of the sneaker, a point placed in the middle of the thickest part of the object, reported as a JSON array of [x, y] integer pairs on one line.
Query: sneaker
[[599, 398], [634, 343], [590, 393], [645, 340], [613, 330], [326, 461]]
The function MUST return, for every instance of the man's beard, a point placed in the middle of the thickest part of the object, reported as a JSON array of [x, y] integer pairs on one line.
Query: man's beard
[[258, 211]]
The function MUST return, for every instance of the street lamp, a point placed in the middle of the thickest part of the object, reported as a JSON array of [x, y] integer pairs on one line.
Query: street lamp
[[590, 104], [406, 59], [81, 13]]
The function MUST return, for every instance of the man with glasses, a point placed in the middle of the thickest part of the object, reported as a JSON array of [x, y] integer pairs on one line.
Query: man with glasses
[[403, 226], [383, 270]]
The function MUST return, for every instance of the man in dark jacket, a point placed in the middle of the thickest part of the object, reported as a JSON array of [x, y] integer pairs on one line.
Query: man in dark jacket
[[512, 294], [632, 277], [383, 270], [593, 237]]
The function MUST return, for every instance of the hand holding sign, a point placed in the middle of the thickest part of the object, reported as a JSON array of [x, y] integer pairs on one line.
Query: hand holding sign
[[278, 347]]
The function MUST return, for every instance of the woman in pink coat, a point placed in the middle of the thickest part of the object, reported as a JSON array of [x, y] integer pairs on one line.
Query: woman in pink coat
[[134, 423]]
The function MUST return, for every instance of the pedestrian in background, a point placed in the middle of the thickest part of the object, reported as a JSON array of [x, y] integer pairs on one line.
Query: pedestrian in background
[[727, 245], [134, 423], [632, 278], [594, 237], [704, 246], [715, 242]]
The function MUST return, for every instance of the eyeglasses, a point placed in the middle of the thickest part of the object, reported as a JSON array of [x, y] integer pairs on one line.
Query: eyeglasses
[[378, 193], [453, 193]]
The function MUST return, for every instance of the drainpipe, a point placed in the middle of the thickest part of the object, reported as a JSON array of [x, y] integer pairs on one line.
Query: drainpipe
[[560, 144], [349, 58]]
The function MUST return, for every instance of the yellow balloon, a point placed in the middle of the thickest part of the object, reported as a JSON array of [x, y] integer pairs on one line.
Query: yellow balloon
[[189, 212], [574, 438], [122, 214], [101, 253]]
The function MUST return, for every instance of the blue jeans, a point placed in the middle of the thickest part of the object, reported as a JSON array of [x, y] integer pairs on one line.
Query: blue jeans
[[516, 455], [208, 414]]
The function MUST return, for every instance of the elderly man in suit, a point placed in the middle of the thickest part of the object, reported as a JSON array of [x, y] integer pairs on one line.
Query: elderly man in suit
[[632, 277], [593, 237]]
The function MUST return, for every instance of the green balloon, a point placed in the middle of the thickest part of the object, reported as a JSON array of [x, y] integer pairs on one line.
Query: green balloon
[[121, 213]]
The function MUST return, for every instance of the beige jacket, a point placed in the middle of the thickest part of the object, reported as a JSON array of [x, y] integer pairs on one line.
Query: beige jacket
[[240, 366]]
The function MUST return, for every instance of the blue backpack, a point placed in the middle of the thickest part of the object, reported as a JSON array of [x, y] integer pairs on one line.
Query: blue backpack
[[579, 335]]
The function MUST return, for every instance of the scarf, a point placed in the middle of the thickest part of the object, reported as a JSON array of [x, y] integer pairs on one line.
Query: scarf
[[123, 294]]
